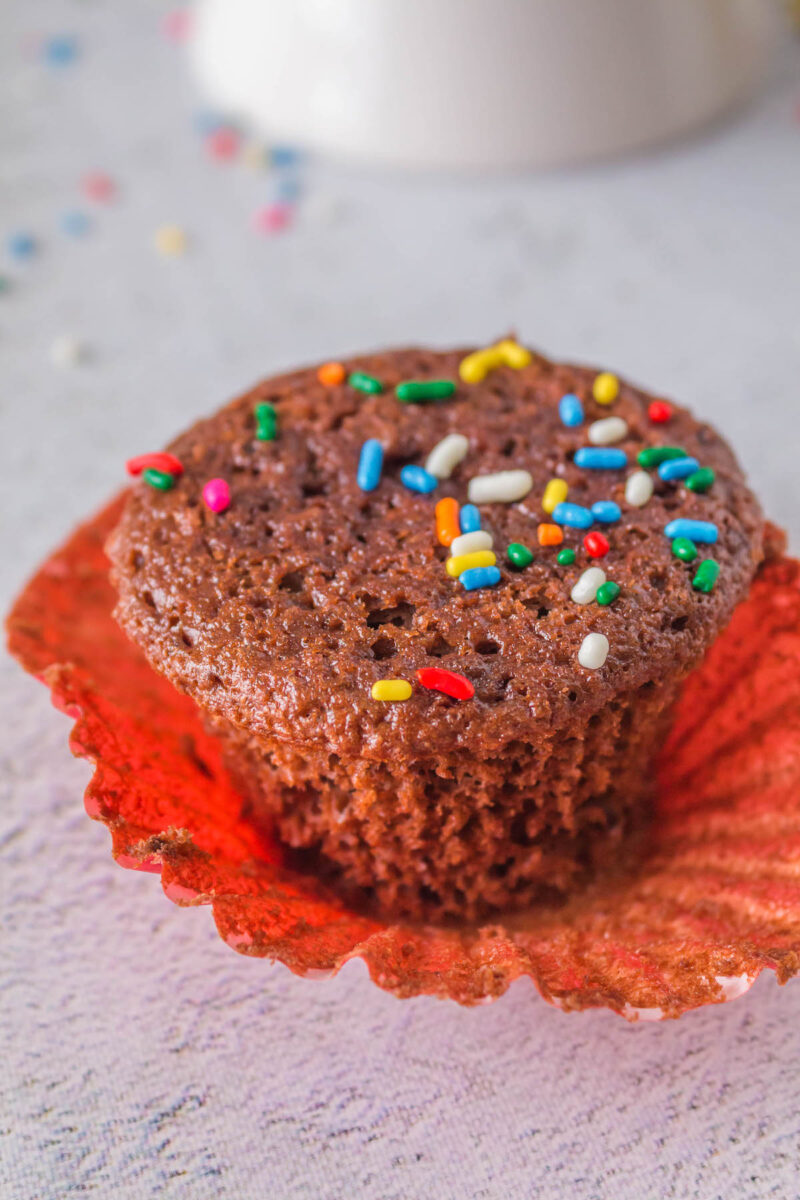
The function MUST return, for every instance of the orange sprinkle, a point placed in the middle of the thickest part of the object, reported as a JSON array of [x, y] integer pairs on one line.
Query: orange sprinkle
[[550, 535], [331, 374], [447, 526]]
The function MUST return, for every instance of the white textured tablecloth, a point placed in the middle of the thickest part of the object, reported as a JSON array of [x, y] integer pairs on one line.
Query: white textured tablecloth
[[140, 1056]]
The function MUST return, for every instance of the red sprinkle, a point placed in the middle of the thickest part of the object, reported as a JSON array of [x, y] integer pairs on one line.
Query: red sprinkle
[[273, 218], [98, 186], [659, 412], [439, 680], [177, 25], [159, 461], [596, 545], [223, 144]]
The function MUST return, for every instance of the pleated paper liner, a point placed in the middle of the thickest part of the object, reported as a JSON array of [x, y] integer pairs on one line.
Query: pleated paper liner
[[714, 900]]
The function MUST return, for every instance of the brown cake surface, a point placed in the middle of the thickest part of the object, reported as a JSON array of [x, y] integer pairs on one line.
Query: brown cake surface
[[278, 615]]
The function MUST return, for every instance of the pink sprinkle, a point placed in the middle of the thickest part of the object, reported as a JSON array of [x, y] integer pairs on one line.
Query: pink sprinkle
[[98, 186], [273, 218], [177, 25], [223, 144], [217, 495]]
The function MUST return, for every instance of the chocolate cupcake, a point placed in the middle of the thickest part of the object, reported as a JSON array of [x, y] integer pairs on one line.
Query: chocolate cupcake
[[438, 606]]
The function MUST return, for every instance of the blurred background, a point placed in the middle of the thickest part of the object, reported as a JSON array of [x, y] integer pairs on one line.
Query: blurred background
[[192, 198]]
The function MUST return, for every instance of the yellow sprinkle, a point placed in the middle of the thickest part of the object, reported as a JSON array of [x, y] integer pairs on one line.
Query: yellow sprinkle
[[477, 366], [391, 689], [464, 562], [555, 493], [605, 388], [255, 155], [514, 355], [507, 353], [170, 239]]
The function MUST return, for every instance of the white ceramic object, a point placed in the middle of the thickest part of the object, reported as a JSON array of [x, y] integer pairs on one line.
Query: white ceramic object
[[478, 83]]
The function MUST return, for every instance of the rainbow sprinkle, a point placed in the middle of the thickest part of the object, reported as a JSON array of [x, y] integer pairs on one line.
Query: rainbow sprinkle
[[472, 561]]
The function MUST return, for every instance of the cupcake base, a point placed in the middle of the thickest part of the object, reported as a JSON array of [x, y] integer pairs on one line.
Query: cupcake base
[[524, 827], [713, 902]]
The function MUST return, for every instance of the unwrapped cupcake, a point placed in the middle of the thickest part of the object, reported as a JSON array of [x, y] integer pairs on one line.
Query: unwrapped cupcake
[[437, 607]]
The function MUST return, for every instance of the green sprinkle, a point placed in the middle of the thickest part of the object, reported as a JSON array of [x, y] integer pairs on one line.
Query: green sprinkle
[[607, 592], [566, 557], [654, 456], [700, 481], [365, 383], [266, 422], [418, 393], [158, 479], [706, 576], [684, 548], [519, 556]]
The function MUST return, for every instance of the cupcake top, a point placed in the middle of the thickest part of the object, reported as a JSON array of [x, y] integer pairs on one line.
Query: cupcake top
[[291, 553]]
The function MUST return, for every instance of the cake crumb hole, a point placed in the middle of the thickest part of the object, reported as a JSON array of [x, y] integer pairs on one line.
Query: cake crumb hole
[[383, 648], [400, 615], [292, 582]]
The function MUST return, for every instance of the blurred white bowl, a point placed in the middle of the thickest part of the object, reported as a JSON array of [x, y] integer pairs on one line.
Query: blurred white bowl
[[479, 83]]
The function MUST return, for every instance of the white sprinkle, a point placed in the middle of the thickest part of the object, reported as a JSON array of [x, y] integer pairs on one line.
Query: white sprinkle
[[638, 489], [607, 431], [594, 651], [67, 351], [446, 455], [502, 488], [585, 590], [468, 543]]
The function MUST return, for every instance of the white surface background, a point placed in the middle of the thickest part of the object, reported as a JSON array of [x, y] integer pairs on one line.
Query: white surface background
[[141, 1057]]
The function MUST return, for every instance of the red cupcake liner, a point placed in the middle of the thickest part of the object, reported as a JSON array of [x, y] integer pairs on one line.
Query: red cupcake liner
[[713, 901]]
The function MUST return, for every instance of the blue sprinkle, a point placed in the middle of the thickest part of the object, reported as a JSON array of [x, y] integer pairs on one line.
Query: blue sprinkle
[[697, 531], [417, 479], [573, 515], [370, 465], [75, 222], [469, 519], [288, 189], [570, 410], [283, 156], [678, 468], [61, 50], [600, 458], [478, 577], [21, 245], [606, 511]]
